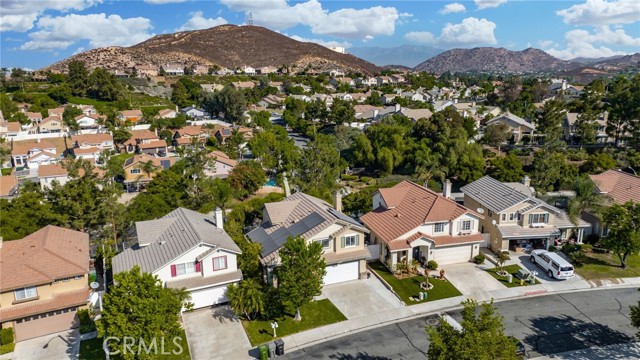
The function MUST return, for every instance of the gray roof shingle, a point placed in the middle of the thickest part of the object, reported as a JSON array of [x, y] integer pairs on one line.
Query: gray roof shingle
[[493, 194]]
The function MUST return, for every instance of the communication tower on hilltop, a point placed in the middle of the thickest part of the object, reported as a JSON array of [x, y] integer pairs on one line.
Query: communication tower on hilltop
[[250, 19]]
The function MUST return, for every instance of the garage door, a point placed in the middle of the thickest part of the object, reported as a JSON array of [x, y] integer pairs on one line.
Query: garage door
[[453, 255], [341, 272], [45, 324], [209, 296]]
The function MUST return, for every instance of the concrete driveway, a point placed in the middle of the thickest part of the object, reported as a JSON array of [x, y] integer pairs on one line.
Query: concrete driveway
[[215, 333], [360, 298], [471, 279], [63, 345], [548, 283]]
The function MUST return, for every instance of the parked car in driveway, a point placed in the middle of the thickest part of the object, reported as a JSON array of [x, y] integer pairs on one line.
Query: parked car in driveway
[[553, 264]]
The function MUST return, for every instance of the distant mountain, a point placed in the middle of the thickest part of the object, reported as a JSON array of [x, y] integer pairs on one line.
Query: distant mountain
[[228, 46], [584, 60], [495, 60], [621, 61], [407, 55]]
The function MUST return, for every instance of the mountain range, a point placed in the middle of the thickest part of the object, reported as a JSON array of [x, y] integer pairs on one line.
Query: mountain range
[[406, 55]]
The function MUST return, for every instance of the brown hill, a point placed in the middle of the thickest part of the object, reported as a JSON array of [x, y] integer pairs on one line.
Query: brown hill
[[228, 46], [494, 60]]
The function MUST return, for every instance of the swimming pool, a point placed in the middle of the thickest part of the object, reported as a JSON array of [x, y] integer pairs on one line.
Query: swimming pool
[[270, 182]]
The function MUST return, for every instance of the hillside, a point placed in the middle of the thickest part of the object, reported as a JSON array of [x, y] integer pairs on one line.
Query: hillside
[[406, 55], [228, 46], [495, 60]]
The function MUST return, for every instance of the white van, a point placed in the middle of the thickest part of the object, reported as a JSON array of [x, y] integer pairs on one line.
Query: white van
[[553, 264]]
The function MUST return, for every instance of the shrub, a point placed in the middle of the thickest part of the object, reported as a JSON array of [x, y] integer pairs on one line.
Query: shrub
[[366, 179], [6, 336], [7, 348], [570, 248], [479, 259], [592, 239], [577, 258], [87, 325], [587, 248], [553, 248], [432, 265], [349, 177]]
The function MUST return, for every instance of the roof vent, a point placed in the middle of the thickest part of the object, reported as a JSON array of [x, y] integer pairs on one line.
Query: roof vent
[[162, 242]]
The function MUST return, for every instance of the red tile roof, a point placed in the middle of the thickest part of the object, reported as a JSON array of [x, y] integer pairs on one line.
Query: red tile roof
[[619, 186], [7, 184]]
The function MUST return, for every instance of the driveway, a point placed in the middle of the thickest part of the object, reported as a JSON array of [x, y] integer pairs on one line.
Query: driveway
[[471, 279], [63, 345], [359, 298], [548, 283], [215, 333]]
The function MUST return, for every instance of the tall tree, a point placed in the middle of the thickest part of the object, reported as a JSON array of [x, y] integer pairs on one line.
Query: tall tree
[[69, 117], [78, 78], [497, 134], [342, 112], [507, 168], [623, 238], [319, 167], [549, 122], [481, 337], [301, 274], [139, 306], [247, 177], [586, 200], [246, 298], [230, 102]]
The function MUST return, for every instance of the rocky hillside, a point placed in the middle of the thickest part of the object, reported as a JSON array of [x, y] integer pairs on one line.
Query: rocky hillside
[[495, 60], [228, 46]]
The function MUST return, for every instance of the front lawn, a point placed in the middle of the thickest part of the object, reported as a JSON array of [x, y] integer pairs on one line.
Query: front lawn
[[92, 350], [410, 287], [598, 266], [513, 270], [315, 314]]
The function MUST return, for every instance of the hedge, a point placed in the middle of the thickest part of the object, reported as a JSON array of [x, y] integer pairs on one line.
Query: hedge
[[6, 336]]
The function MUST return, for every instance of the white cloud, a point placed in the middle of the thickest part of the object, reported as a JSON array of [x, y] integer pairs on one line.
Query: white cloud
[[322, 42], [19, 15], [78, 50], [546, 44], [582, 43], [486, 4], [602, 12], [346, 23], [160, 2], [471, 31], [100, 30], [420, 37], [198, 22], [453, 8]]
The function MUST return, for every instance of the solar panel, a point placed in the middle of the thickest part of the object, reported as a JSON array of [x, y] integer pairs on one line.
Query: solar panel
[[165, 164]]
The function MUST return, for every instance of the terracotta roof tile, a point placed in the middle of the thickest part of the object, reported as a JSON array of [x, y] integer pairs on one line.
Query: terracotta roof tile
[[24, 146], [619, 186], [153, 144], [140, 135], [91, 138], [51, 170], [7, 184]]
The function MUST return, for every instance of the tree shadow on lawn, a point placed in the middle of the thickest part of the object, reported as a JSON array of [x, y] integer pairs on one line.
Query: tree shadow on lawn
[[358, 356], [556, 334], [590, 259]]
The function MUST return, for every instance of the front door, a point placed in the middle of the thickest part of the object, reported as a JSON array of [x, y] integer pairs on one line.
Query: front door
[[416, 253]]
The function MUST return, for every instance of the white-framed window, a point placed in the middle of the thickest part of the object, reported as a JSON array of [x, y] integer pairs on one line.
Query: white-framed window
[[350, 240], [504, 217], [438, 227], [324, 242], [135, 171], [465, 225], [511, 216], [219, 263], [25, 293], [185, 268], [539, 218]]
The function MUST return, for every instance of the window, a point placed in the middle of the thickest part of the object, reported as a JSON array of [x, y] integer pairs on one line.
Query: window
[[350, 240], [490, 213], [538, 218], [185, 268], [519, 216], [465, 225], [78, 277], [325, 243], [135, 171], [511, 216], [219, 263], [504, 217], [438, 228], [25, 293]]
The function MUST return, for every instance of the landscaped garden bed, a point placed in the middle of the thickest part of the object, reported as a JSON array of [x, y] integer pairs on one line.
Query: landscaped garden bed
[[513, 270]]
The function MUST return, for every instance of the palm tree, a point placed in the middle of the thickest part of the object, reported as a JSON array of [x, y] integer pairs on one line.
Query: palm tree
[[246, 298], [148, 167], [586, 200]]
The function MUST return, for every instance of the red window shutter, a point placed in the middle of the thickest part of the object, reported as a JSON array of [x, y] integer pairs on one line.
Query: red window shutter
[[173, 271], [197, 266]]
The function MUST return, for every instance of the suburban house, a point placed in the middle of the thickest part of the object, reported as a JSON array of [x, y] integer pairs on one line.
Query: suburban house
[[188, 134], [32, 154], [167, 114], [9, 129], [342, 238], [185, 249], [244, 84], [211, 87], [52, 172], [48, 125], [34, 117], [132, 116], [388, 98], [147, 70], [8, 185], [222, 164], [139, 137], [569, 127], [88, 123], [515, 220], [173, 69], [411, 222], [194, 112], [43, 281], [518, 126], [139, 170], [618, 187]]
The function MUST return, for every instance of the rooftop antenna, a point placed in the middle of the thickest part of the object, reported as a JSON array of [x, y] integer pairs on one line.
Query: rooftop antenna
[[250, 19]]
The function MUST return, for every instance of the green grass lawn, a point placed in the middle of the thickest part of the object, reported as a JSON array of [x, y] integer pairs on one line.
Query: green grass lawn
[[410, 287], [315, 314], [607, 266], [92, 350], [511, 269]]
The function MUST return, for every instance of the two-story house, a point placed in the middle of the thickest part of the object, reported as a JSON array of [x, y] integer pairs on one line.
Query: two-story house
[[140, 137], [342, 238], [515, 220], [187, 135], [518, 126], [185, 249], [618, 188], [411, 222], [131, 116], [31, 154], [89, 146], [569, 127], [222, 164], [43, 281], [139, 170]]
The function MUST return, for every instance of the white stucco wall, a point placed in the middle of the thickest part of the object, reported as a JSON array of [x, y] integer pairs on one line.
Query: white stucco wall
[[164, 273]]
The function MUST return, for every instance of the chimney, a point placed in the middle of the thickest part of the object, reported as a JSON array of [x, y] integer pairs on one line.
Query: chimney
[[219, 220], [526, 180], [287, 191], [337, 200], [398, 107], [446, 189], [38, 139], [375, 114], [1, 240], [473, 104]]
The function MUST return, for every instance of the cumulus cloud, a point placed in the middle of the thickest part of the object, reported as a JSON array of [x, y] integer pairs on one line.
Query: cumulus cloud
[[420, 37], [322, 42], [453, 8], [62, 31], [20, 15], [602, 12], [471, 31], [198, 22], [582, 43], [346, 23], [486, 4]]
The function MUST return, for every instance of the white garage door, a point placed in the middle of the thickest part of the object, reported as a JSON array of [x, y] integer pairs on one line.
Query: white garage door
[[453, 255], [341, 272], [209, 296]]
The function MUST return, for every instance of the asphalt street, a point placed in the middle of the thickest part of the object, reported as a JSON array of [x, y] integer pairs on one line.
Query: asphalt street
[[545, 324]]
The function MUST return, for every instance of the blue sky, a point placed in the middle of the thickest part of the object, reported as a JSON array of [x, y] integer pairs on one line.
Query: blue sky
[[36, 33]]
